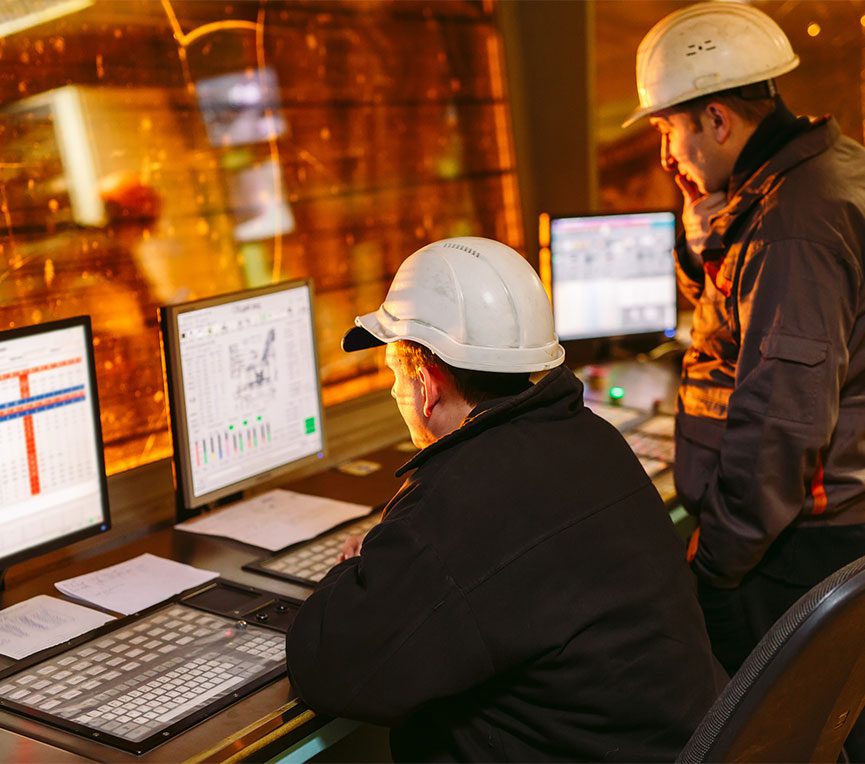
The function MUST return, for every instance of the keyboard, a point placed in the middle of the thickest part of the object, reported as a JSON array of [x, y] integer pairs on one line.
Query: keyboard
[[653, 446], [148, 679], [650, 436], [621, 417], [661, 425], [309, 562]]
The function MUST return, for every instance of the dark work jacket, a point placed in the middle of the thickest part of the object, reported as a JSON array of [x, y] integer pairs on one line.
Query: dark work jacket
[[771, 419], [524, 598]]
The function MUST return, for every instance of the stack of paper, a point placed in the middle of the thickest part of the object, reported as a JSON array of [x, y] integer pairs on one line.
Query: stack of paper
[[136, 584], [276, 519], [43, 622]]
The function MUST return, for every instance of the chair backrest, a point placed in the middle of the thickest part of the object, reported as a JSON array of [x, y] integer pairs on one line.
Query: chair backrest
[[801, 689]]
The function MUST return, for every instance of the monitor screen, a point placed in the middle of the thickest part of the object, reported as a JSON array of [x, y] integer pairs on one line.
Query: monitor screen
[[53, 489], [241, 107], [613, 275], [243, 389]]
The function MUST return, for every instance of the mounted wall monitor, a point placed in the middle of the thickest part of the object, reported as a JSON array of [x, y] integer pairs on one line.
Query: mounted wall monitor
[[612, 276], [243, 387], [53, 489]]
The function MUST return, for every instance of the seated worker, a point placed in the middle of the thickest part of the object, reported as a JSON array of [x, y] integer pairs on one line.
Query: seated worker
[[525, 596]]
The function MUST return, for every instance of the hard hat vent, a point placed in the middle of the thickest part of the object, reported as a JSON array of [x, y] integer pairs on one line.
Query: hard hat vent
[[461, 247], [695, 48]]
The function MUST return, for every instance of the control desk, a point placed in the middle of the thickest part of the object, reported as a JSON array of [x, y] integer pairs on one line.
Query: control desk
[[268, 722], [271, 721]]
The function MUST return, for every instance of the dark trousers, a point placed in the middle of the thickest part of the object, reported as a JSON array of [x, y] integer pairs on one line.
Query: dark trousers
[[737, 619]]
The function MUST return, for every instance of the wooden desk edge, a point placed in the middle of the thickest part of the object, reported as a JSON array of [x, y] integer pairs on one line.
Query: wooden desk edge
[[284, 721]]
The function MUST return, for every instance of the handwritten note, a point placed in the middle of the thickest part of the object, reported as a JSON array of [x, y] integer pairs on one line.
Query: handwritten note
[[135, 584], [276, 519], [43, 622]]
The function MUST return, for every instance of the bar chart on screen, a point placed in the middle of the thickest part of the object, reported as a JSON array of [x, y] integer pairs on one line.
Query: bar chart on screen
[[49, 473], [250, 398]]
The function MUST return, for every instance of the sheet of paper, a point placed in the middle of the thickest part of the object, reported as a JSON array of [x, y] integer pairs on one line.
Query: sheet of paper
[[276, 519], [135, 584], [43, 622]]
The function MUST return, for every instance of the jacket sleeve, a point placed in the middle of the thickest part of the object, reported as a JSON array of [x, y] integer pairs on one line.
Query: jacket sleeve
[[796, 310], [385, 632], [689, 276]]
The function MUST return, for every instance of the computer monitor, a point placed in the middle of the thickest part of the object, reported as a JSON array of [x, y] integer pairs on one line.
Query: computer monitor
[[243, 390], [53, 489], [612, 275]]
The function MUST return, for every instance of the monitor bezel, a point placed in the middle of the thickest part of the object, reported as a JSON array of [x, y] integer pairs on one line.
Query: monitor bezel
[[173, 382], [627, 337], [82, 322]]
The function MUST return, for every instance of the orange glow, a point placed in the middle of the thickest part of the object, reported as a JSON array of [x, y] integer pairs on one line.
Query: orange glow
[[544, 229], [545, 258], [813, 29], [340, 392], [184, 41], [513, 227], [273, 146], [368, 176], [545, 270]]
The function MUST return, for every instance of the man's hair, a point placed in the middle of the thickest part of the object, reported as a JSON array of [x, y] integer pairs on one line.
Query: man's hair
[[753, 103], [473, 386]]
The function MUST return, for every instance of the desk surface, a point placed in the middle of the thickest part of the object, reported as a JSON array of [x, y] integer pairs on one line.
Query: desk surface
[[270, 716], [271, 720]]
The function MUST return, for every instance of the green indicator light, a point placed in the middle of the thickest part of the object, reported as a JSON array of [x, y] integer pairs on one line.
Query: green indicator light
[[617, 393], [259, 419], [245, 422], [310, 425], [231, 427]]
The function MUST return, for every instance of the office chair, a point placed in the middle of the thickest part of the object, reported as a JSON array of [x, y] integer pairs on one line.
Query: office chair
[[802, 688]]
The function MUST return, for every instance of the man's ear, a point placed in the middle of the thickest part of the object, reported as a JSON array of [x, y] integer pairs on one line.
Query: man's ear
[[719, 121], [431, 384]]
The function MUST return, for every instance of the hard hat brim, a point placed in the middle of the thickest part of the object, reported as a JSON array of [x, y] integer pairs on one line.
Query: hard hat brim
[[358, 338], [371, 332]]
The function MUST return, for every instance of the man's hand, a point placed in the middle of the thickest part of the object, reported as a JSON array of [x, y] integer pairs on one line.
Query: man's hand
[[350, 547], [696, 212]]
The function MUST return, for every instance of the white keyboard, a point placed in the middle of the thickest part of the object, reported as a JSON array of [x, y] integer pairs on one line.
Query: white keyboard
[[310, 562], [136, 681]]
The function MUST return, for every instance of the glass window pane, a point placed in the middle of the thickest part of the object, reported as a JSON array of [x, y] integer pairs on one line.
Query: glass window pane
[[154, 152]]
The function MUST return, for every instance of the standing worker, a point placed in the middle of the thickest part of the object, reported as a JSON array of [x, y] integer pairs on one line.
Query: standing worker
[[525, 596], [770, 431]]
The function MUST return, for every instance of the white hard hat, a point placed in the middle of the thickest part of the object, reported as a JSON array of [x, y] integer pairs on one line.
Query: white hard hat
[[706, 48], [474, 302]]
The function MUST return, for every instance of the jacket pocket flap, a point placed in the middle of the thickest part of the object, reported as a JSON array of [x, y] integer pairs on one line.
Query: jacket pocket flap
[[788, 347]]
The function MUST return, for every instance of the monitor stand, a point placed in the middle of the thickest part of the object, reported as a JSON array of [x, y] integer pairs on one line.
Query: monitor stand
[[642, 347], [182, 513]]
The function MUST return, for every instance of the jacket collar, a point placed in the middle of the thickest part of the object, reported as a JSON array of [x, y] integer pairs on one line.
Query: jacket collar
[[773, 133], [816, 138], [558, 386]]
